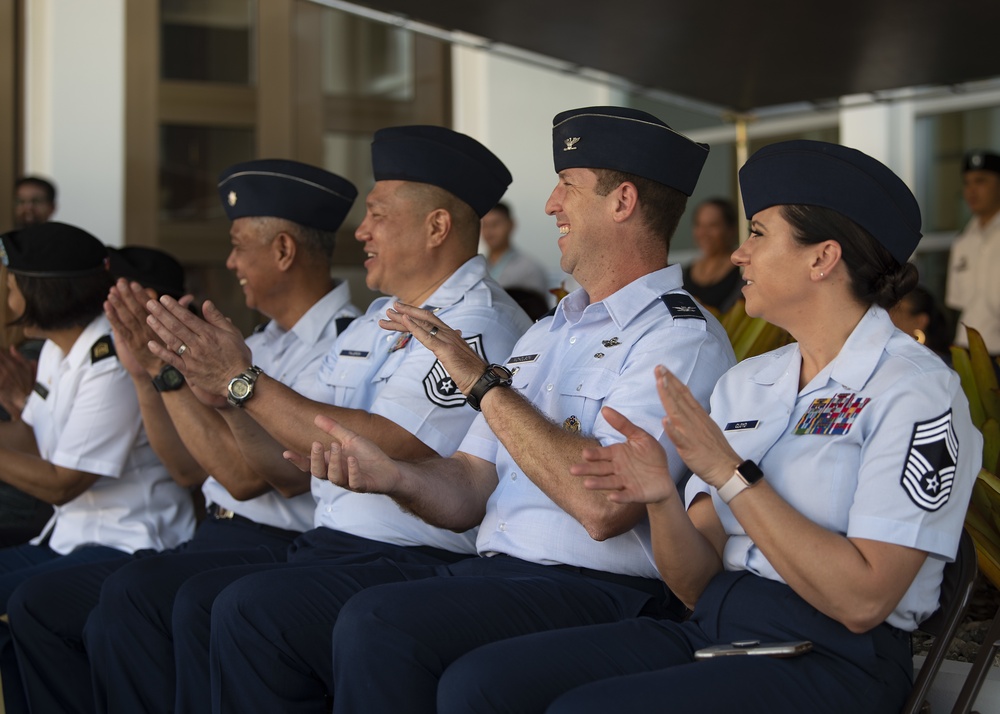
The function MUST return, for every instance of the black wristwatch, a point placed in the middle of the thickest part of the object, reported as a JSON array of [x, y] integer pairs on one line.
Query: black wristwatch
[[168, 380], [241, 386], [496, 375]]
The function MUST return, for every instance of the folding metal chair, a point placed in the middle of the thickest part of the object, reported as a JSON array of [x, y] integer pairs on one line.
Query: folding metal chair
[[956, 591]]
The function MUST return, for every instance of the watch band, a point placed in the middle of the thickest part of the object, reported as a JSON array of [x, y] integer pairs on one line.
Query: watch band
[[496, 375], [168, 380], [745, 476]]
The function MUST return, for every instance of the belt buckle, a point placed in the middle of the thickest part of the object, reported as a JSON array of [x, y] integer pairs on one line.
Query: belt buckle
[[220, 513]]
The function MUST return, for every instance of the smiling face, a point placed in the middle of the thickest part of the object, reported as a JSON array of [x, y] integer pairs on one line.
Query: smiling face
[[776, 268], [580, 213], [395, 240], [252, 258]]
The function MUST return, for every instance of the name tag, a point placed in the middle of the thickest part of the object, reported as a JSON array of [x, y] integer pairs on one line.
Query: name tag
[[41, 390], [357, 354], [522, 359], [742, 425]]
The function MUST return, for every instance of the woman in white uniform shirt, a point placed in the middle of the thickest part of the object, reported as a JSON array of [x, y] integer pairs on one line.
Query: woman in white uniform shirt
[[79, 443], [831, 482]]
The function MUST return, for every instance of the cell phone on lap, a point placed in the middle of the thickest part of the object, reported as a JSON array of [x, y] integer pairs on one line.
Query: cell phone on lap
[[755, 647]]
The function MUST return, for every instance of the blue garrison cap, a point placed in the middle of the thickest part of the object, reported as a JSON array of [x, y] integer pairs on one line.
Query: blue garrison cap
[[280, 188], [150, 267], [815, 173], [52, 250], [628, 140], [981, 161], [444, 158]]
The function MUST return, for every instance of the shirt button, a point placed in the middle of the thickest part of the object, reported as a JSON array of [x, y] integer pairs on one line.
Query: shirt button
[[572, 340], [513, 475], [329, 509], [548, 388], [502, 526], [579, 387]]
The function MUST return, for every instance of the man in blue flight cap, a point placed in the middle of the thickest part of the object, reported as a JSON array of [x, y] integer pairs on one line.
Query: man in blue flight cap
[[552, 554], [420, 236]]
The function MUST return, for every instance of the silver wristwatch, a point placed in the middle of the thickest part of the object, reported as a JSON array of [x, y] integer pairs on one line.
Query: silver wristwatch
[[241, 386]]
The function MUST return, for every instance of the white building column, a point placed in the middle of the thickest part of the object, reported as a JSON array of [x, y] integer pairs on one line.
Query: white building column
[[508, 105], [75, 109], [883, 130]]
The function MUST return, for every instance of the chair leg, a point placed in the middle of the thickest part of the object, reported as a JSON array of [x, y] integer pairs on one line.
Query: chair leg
[[980, 669]]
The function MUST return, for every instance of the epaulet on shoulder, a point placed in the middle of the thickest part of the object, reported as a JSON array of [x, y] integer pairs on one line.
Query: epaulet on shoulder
[[342, 323], [682, 307], [102, 349]]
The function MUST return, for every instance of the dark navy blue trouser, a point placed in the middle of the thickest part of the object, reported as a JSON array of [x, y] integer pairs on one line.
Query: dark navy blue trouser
[[646, 665], [392, 643], [17, 565], [48, 613], [155, 626]]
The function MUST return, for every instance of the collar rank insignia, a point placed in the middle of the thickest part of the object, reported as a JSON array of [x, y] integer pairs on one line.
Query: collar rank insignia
[[102, 349], [571, 143], [231, 198], [402, 341], [682, 306], [831, 416], [572, 425], [613, 342], [41, 390], [930, 464], [598, 355]]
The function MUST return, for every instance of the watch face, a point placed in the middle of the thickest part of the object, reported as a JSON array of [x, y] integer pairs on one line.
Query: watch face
[[239, 388], [172, 378]]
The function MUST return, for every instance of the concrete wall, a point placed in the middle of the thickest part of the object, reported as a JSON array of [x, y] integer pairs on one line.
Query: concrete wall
[[74, 108]]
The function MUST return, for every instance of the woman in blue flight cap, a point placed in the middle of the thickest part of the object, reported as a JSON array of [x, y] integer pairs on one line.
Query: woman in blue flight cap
[[79, 442], [831, 482]]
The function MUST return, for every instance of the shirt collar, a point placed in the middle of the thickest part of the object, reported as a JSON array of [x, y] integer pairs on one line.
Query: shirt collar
[[311, 327], [852, 367], [453, 290], [624, 305]]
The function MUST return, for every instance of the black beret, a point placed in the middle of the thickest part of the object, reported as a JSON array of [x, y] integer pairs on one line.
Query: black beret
[[981, 161], [815, 173], [280, 188], [52, 250], [444, 158], [627, 140], [150, 267]]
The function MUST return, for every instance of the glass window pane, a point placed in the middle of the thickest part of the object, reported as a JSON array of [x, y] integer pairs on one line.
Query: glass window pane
[[942, 140], [191, 159], [207, 41], [363, 58]]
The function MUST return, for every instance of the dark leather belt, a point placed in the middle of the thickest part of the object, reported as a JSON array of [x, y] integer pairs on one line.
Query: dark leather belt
[[218, 513]]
